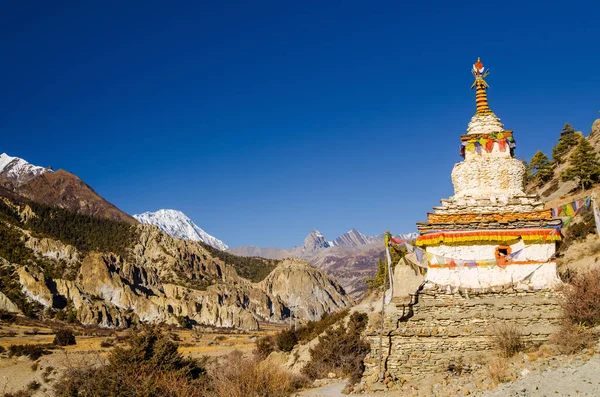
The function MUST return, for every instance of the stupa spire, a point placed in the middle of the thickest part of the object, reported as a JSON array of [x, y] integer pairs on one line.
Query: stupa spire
[[480, 73]]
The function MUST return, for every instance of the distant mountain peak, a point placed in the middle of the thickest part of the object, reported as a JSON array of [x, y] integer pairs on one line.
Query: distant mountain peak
[[352, 238], [176, 224], [314, 242], [17, 170]]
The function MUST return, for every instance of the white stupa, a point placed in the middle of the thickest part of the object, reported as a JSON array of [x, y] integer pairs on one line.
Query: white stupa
[[490, 234]]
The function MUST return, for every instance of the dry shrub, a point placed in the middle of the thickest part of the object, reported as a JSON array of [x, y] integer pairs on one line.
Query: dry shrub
[[34, 385], [498, 371], [151, 366], [580, 302], [20, 393], [240, 377], [64, 337], [312, 329], [7, 316], [508, 339], [264, 346], [286, 340], [32, 351], [341, 350], [571, 338]]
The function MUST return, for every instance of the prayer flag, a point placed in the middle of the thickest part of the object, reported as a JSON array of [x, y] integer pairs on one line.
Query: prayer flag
[[390, 292], [569, 211], [596, 216]]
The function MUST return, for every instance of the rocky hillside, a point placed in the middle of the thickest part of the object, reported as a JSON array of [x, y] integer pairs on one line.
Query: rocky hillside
[[556, 189], [177, 224], [580, 249], [101, 271], [57, 189]]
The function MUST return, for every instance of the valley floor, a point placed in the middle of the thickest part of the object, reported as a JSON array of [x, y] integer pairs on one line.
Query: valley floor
[[22, 373]]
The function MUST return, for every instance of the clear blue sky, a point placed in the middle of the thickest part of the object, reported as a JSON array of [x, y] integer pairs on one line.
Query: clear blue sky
[[264, 120]]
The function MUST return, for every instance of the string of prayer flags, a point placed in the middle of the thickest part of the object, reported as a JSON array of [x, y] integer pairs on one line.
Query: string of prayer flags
[[487, 144], [424, 259], [572, 208]]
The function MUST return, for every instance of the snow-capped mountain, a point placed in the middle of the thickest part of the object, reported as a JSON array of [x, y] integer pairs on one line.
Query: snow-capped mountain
[[352, 238], [177, 224], [314, 242], [17, 170]]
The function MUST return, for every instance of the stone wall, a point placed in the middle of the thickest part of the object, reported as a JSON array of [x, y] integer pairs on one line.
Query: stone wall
[[440, 329]]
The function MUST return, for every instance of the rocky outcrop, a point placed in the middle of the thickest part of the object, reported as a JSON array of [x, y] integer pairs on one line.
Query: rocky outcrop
[[309, 292], [53, 249], [7, 304], [167, 280]]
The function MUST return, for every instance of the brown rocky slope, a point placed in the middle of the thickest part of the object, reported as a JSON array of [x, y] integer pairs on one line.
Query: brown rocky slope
[[157, 279]]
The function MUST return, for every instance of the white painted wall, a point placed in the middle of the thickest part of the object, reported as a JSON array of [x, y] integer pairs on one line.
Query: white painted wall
[[536, 276], [530, 252]]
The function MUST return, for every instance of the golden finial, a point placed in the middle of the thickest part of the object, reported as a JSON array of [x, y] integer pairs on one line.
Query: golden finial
[[480, 73]]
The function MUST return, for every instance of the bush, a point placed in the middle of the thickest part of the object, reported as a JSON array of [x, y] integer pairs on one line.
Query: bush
[[20, 393], [580, 300], [341, 351], [64, 337], [570, 338], [7, 316], [508, 339], [150, 366], [34, 385], [32, 351], [312, 329], [107, 343], [240, 377], [498, 371], [264, 347], [286, 340]]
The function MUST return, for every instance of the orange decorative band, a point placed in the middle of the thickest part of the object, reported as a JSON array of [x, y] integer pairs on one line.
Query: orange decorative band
[[531, 236], [489, 217]]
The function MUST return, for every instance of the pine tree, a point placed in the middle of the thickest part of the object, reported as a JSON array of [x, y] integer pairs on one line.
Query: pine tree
[[541, 167], [567, 140], [585, 166]]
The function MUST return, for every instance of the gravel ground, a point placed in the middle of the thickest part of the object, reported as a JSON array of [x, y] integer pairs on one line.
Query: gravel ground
[[572, 380]]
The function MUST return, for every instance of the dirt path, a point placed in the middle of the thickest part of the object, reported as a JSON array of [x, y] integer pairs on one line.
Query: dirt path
[[572, 380], [334, 389]]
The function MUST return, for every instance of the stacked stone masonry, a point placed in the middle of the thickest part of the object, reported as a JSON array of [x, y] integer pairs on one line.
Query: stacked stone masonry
[[451, 328]]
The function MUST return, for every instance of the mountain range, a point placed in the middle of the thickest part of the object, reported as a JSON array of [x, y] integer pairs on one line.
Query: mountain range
[[67, 252], [351, 258]]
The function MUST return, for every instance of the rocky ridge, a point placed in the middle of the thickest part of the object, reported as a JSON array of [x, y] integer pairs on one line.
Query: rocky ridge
[[162, 279], [57, 189]]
